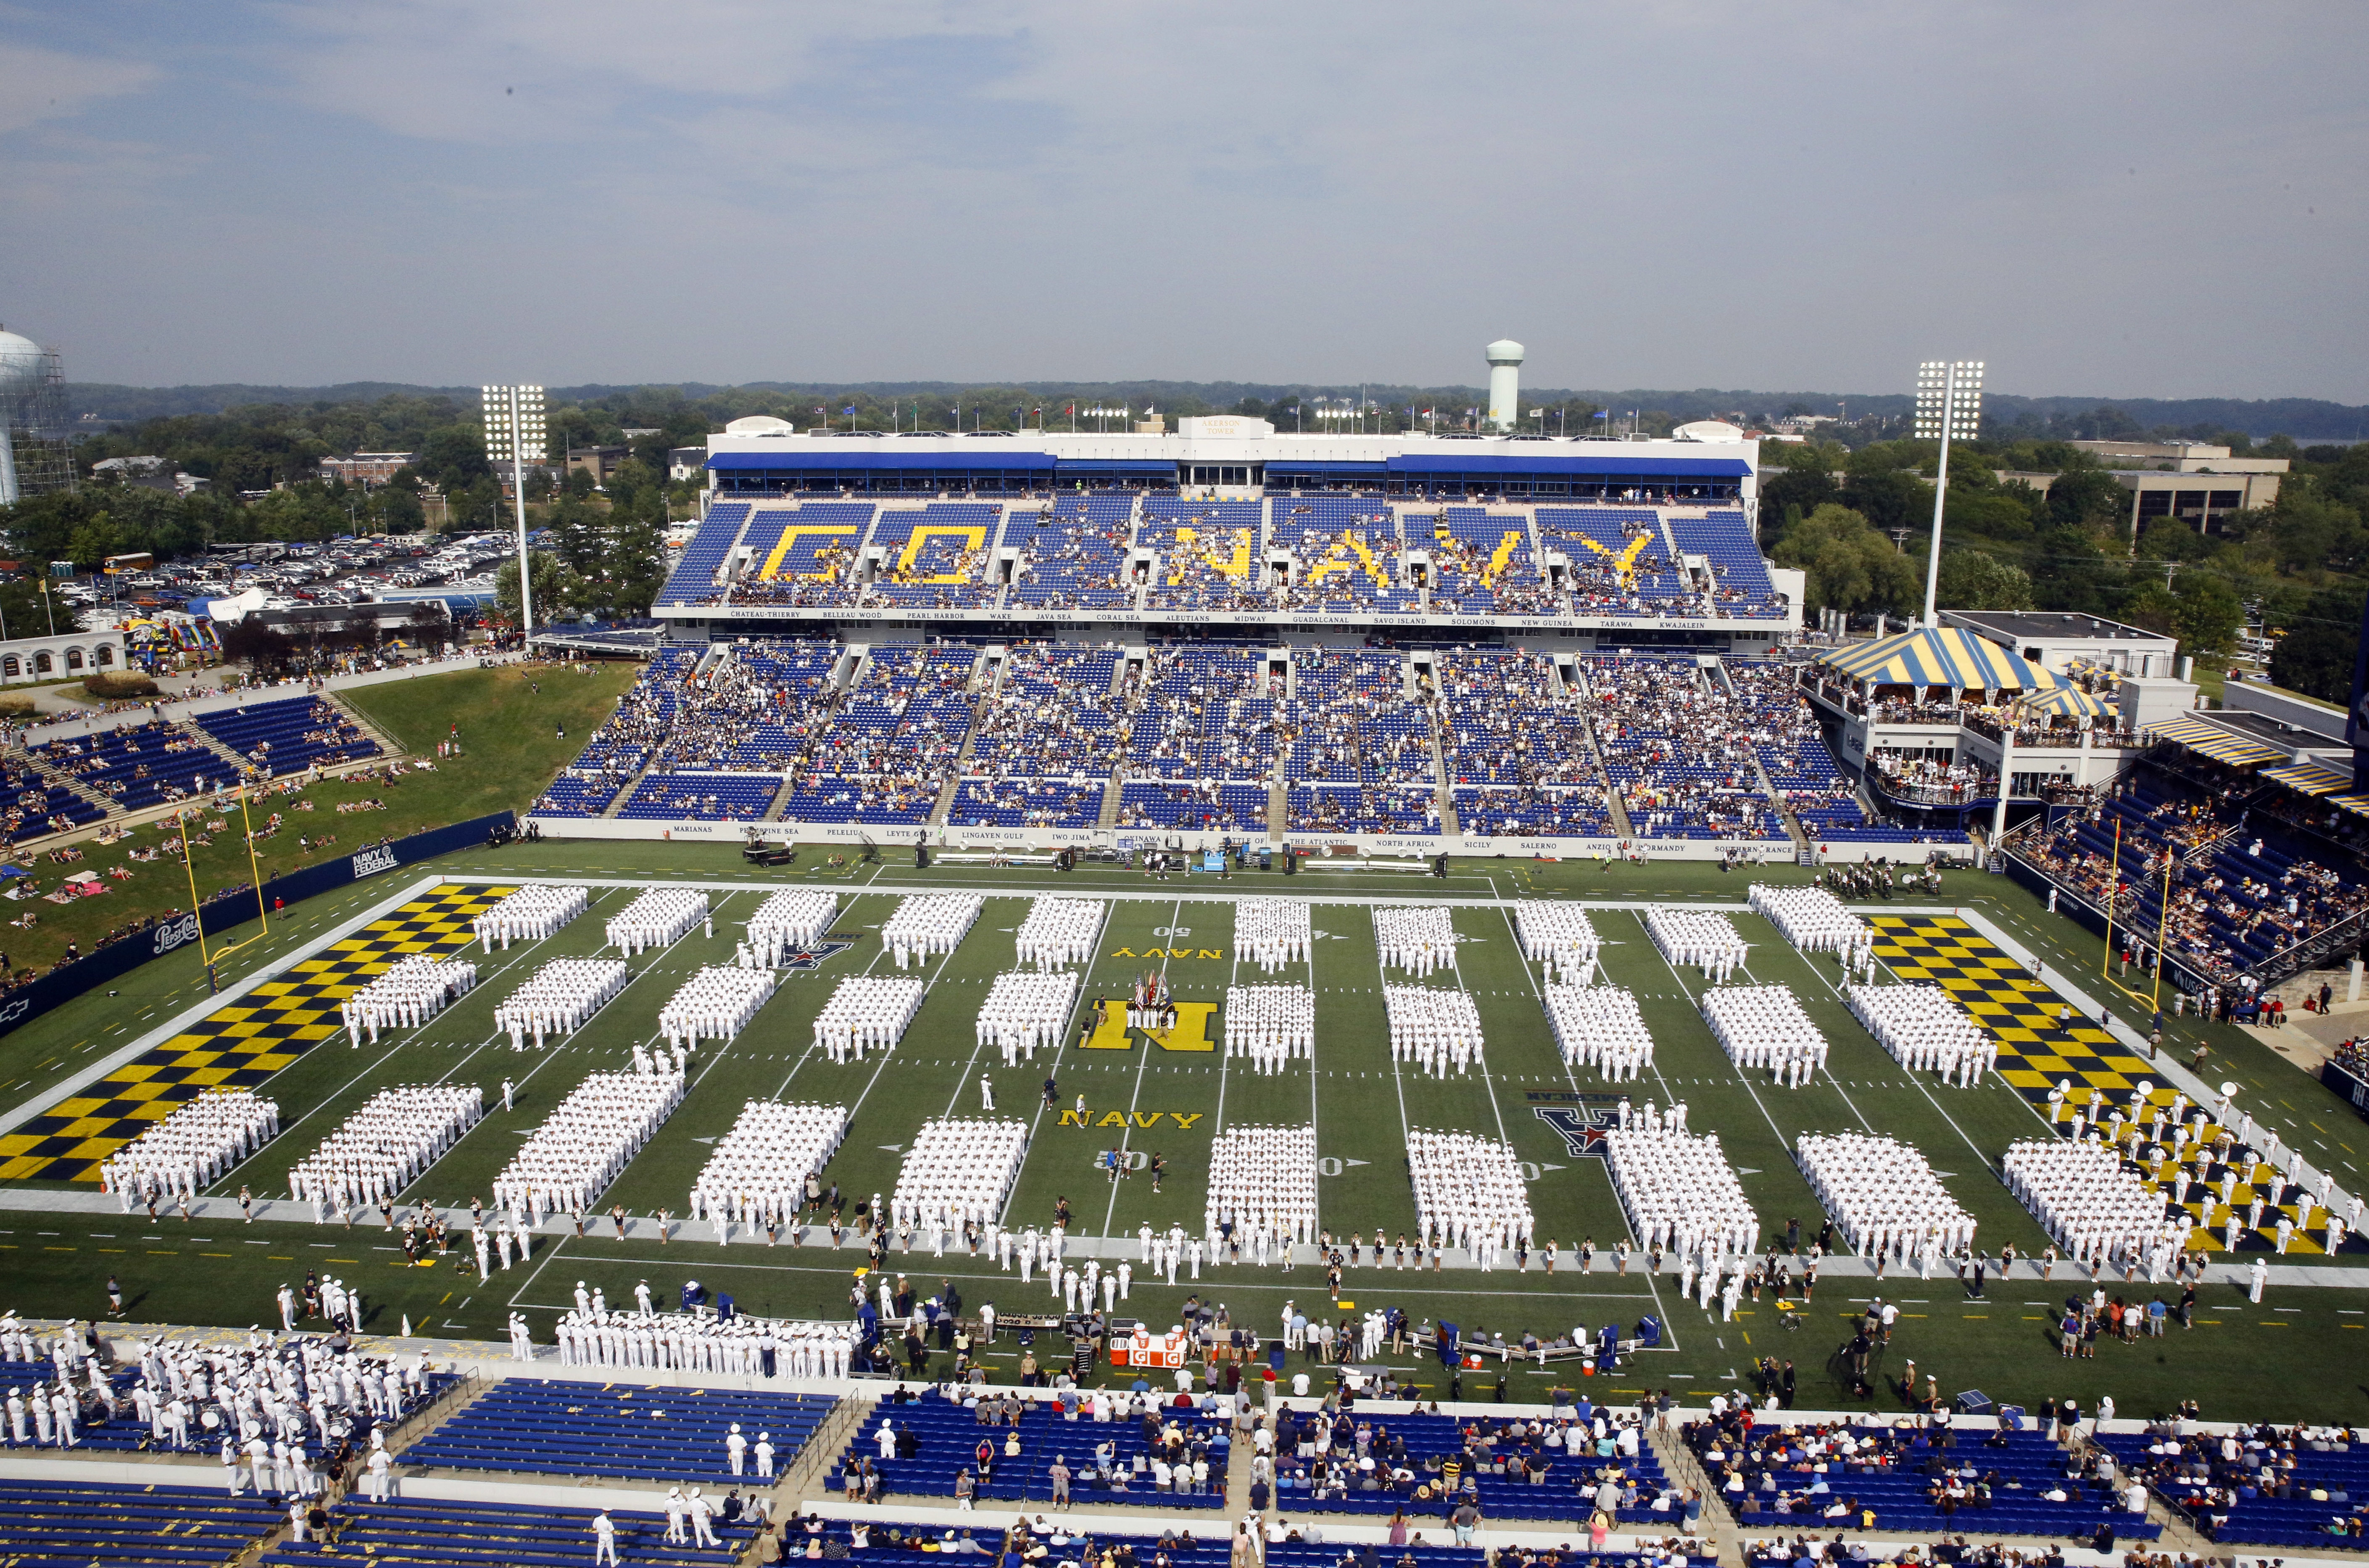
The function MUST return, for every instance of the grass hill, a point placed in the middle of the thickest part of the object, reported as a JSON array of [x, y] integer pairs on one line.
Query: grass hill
[[511, 721]]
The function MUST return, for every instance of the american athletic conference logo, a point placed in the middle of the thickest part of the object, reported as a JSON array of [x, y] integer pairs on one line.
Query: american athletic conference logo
[[172, 934], [1582, 1118], [813, 958]]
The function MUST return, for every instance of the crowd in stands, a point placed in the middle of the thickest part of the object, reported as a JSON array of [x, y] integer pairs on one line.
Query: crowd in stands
[[1345, 555], [151, 765], [1053, 713], [1932, 781], [1681, 749], [1208, 553], [1195, 735], [1801, 766], [1740, 584], [937, 556], [1906, 1474], [288, 736], [1202, 713], [1481, 562], [1075, 556], [2254, 1484], [627, 739], [2241, 890], [1620, 561], [801, 556]]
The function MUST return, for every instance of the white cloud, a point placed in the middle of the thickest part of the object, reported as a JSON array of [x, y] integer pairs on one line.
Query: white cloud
[[43, 84]]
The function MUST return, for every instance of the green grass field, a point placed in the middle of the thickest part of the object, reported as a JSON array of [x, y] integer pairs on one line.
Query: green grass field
[[2240, 1360]]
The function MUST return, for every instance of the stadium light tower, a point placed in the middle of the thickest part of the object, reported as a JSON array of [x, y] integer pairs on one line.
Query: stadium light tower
[[1948, 406], [514, 423]]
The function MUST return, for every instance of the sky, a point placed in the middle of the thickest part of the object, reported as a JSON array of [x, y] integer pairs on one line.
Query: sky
[[2160, 200]]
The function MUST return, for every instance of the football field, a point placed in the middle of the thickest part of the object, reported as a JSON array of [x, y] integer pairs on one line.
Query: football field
[[1152, 1098]]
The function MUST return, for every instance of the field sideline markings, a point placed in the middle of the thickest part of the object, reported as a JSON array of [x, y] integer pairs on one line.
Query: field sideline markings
[[1653, 1281], [1053, 1067], [1911, 1074], [334, 1095], [1344, 899], [1126, 1135], [230, 996], [806, 1054]]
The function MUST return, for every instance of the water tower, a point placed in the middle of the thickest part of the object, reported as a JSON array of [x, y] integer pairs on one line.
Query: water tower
[[1504, 382], [34, 456]]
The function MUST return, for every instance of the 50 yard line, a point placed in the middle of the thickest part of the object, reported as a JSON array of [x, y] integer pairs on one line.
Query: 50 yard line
[[1144, 1063]]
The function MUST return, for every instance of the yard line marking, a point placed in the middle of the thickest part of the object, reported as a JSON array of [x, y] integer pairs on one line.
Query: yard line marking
[[1127, 1133], [1749, 1087], [551, 1055], [1653, 1281], [1995, 1080], [962, 1078], [1053, 1067], [1218, 1122], [1486, 1075]]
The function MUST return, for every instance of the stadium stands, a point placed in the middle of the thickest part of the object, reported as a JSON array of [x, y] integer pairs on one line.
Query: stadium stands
[[1074, 557], [1072, 1536], [801, 556], [73, 1525], [1053, 716], [1678, 747], [1215, 807], [1520, 1479], [37, 807], [1017, 802], [1481, 562], [2239, 896], [625, 741], [1620, 561], [1202, 713], [1356, 748], [933, 1440], [617, 1431], [1740, 582], [1989, 1484], [449, 1531], [147, 765], [1518, 748], [693, 579], [1346, 558], [1209, 554], [290, 735], [937, 556], [2281, 1487]]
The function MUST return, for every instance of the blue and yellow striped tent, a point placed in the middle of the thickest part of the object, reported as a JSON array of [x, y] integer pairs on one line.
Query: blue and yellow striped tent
[[2212, 741], [1948, 656], [2066, 702], [2313, 776]]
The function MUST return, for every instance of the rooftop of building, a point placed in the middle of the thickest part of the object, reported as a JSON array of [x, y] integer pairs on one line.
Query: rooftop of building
[[2047, 625]]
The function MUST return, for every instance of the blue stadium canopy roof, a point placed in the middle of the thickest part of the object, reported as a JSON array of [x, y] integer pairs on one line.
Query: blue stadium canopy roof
[[1003, 460], [1610, 463]]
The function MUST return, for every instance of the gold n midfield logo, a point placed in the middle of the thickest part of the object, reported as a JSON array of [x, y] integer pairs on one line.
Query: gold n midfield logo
[[1191, 1033]]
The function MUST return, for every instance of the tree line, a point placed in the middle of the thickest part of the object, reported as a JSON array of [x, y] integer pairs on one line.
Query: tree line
[[1857, 523]]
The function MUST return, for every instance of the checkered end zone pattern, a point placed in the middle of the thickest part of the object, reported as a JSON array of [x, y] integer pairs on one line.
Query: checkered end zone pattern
[[236, 1046], [2036, 1056]]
